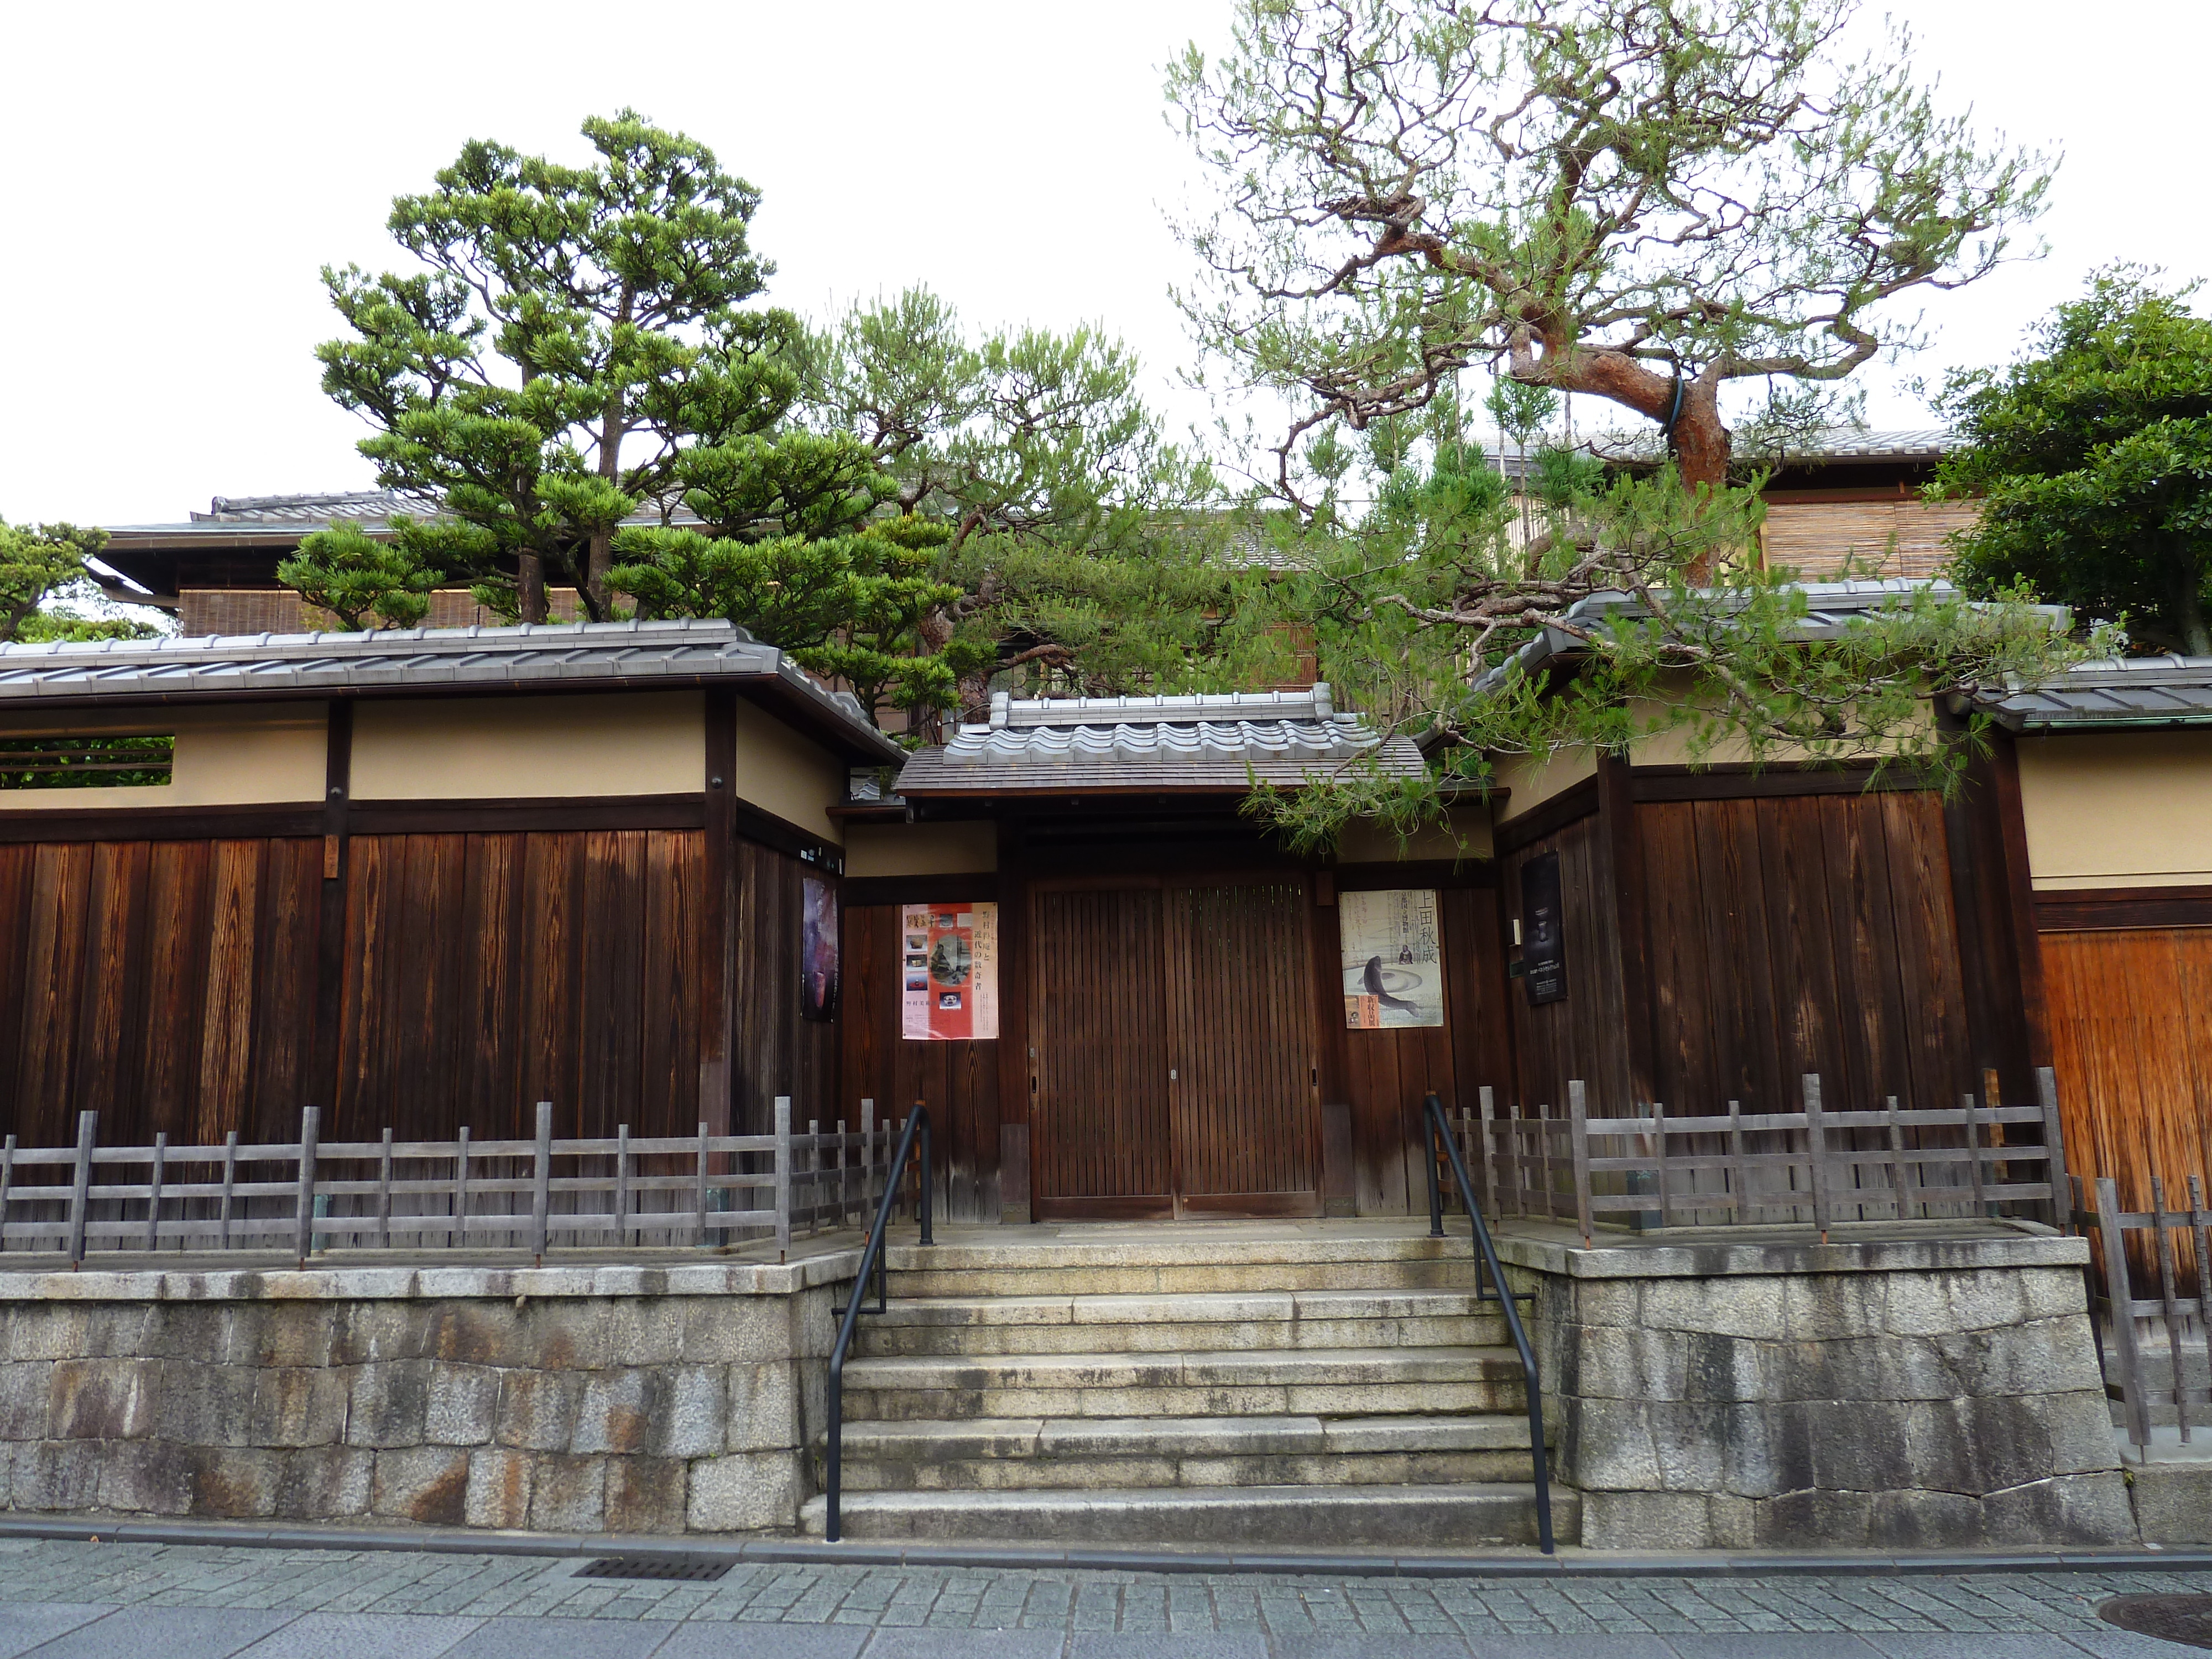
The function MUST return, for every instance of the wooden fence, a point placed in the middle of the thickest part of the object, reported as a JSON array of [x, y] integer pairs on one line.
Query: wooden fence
[[1817, 1165], [307, 1194], [2171, 1250]]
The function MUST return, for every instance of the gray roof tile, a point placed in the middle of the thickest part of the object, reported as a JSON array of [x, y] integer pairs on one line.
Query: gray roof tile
[[2113, 692]]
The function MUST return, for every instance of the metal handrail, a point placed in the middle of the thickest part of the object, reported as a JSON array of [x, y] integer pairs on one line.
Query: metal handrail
[[1485, 1255], [870, 1256]]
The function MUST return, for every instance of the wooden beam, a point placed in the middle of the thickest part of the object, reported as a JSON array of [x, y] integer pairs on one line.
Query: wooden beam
[[1546, 817], [2020, 891], [980, 887], [1658, 783], [330, 938], [718, 927], [162, 823], [497, 816], [2098, 909], [1619, 830], [1414, 873]]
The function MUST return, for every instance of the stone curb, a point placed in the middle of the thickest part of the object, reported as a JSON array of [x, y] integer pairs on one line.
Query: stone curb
[[796, 1552]]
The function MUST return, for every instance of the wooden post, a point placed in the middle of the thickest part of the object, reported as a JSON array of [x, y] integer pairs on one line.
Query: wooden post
[[153, 1190], [813, 1202], [303, 1226], [6, 1182], [1543, 1152], [699, 1189], [2054, 1151], [460, 1229], [844, 1179], [867, 1162], [1816, 1144], [1659, 1144], [2169, 1306], [2120, 1300], [1578, 1149], [783, 1174], [384, 1195], [621, 1185], [1897, 1166], [2198, 1221], [88, 1125], [540, 1182], [1737, 1173], [1489, 1103], [229, 1181], [1974, 1155]]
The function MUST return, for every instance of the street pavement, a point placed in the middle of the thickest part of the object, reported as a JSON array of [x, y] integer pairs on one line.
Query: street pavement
[[67, 1600]]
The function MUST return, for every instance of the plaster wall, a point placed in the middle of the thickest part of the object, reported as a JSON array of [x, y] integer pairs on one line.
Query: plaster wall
[[1468, 839], [920, 849], [267, 753], [2117, 809], [644, 743], [782, 772]]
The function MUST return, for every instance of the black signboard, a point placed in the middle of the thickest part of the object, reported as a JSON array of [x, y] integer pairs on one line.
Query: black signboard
[[1543, 935]]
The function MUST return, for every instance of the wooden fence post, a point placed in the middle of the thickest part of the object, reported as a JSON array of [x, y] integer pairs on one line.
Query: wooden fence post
[[867, 1162], [1659, 1141], [460, 1227], [1897, 1165], [1974, 1157], [1489, 1105], [2119, 1301], [699, 1189], [88, 1125], [540, 1182], [229, 1181], [1578, 1149], [2169, 1306], [1816, 1144], [2054, 1148], [6, 1182], [622, 1186], [303, 1226], [782, 1175], [384, 1195], [153, 1190], [1544, 1157], [1737, 1173]]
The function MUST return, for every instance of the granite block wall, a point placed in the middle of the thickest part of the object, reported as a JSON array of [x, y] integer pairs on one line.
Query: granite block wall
[[1901, 1393], [628, 1400]]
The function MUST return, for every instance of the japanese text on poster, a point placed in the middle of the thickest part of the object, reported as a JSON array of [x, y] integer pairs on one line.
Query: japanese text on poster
[[948, 972], [1393, 972]]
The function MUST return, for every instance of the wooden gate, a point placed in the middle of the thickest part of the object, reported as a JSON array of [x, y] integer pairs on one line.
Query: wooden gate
[[1176, 1064]]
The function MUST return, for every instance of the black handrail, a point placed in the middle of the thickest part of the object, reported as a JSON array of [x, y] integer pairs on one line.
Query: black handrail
[[1485, 1255], [870, 1256]]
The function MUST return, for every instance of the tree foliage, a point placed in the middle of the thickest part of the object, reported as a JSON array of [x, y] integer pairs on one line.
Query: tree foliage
[[2093, 459], [46, 593], [1642, 200]]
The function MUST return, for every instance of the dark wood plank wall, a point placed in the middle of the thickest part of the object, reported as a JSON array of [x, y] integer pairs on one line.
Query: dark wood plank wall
[[959, 1080], [778, 1053], [167, 985], [1586, 1035], [1804, 933]]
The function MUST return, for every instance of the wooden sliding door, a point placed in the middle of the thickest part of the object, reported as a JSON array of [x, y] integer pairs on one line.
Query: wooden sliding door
[[1175, 1033]]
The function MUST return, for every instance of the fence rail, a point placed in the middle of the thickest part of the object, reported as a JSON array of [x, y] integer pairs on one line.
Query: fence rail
[[1821, 1164], [2177, 1248], [310, 1193]]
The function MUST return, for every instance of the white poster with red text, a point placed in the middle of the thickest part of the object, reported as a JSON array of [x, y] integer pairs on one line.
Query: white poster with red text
[[948, 972]]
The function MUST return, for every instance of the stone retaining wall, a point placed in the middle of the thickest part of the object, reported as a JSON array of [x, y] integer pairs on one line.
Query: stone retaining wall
[[1896, 1392], [632, 1400]]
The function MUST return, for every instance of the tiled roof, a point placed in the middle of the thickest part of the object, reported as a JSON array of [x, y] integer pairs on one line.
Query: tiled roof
[[313, 509], [580, 657], [1843, 444], [2122, 691], [1218, 743]]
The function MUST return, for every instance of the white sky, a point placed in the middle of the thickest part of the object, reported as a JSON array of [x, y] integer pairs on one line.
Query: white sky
[[175, 175]]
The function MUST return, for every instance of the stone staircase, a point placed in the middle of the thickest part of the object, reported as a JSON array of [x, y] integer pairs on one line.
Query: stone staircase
[[1266, 1385]]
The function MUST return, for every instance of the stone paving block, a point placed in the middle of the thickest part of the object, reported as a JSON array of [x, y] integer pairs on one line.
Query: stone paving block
[[1769, 1645], [174, 1632], [462, 1405], [363, 1636], [568, 1638], [2173, 1502], [737, 1641], [428, 1483], [24, 1626], [498, 1493], [960, 1642]]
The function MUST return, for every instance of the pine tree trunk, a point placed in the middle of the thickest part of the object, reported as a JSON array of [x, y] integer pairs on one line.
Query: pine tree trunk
[[2189, 612], [599, 561], [533, 575], [1700, 444]]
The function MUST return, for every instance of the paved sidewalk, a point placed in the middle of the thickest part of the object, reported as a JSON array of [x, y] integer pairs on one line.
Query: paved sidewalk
[[79, 1601]]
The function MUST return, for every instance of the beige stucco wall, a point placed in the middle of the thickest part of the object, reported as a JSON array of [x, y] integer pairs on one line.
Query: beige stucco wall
[[640, 743], [782, 772], [226, 756], [920, 849], [1532, 782], [2117, 809], [1367, 842]]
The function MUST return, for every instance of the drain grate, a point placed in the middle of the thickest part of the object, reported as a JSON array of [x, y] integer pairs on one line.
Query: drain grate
[[645, 1566], [2186, 1618]]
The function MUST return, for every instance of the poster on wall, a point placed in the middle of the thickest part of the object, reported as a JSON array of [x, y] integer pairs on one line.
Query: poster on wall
[[818, 949], [948, 972], [1543, 931], [1394, 973]]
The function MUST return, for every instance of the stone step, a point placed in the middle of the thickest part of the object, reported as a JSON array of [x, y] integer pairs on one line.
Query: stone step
[[1325, 1383], [1424, 1517], [1288, 1319], [1136, 1265], [1152, 1452]]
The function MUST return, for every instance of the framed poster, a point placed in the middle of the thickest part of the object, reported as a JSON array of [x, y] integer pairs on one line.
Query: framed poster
[[1393, 955], [1543, 931], [818, 949], [948, 972]]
